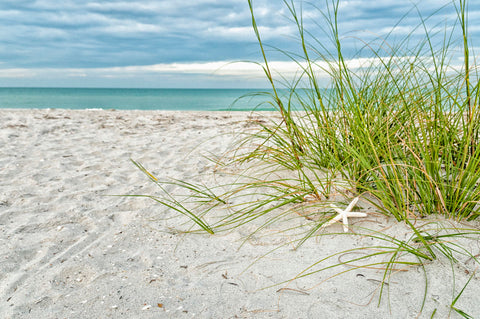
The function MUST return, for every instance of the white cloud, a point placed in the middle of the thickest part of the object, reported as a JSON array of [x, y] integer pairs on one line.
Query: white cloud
[[17, 73], [217, 68], [207, 74], [130, 27], [247, 34], [134, 6]]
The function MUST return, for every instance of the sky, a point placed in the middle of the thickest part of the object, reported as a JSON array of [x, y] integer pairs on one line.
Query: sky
[[191, 43]]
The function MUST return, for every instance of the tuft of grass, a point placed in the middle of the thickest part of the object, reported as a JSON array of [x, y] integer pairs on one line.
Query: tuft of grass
[[401, 131]]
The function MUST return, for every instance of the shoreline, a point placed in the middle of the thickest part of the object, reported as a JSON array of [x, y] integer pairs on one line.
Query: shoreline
[[69, 249]]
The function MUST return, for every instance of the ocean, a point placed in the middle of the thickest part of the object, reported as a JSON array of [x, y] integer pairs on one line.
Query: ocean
[[132, 99]]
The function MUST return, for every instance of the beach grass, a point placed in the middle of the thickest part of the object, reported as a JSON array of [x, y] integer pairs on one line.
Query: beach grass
[[400, 130]]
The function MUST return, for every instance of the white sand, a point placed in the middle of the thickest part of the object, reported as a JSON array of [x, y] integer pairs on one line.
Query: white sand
[[67, 251]]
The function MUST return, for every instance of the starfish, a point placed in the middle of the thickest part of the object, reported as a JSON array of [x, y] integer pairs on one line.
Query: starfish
[[344, 214]]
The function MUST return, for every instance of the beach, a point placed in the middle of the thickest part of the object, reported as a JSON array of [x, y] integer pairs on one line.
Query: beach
[[70, 248]]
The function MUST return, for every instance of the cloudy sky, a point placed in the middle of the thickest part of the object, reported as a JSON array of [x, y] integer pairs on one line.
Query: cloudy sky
[[160, 43]]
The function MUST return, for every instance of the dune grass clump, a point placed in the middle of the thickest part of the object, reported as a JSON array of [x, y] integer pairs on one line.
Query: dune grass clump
[[398, 125], [403, 127]]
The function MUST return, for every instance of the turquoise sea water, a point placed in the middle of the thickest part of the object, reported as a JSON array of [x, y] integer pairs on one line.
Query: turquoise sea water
[[130, 99]]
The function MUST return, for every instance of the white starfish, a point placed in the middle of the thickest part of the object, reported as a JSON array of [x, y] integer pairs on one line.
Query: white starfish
[[344, 214]]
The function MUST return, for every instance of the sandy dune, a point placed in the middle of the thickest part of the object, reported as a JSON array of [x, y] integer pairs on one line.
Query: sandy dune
[[69, 251]]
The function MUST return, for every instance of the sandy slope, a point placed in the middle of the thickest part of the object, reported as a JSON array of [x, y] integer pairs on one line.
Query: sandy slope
[[68, 251]]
